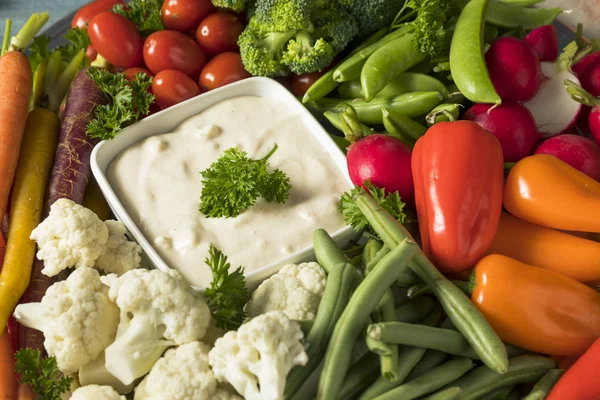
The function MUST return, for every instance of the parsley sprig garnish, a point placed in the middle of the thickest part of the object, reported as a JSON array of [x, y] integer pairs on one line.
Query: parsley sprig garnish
[[41, 374], [391, 202], [144, 14], [128, 101], [234, 182], [227, 293]]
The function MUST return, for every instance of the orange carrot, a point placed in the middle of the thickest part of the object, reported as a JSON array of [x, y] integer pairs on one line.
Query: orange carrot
[[8, 378]]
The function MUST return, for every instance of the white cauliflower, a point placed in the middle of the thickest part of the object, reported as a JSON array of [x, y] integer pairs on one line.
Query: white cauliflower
[[77, 318], [158, 310], [257, 358], [119, 255], [71, 236], [295, 289], [95, 392], [182, 374]]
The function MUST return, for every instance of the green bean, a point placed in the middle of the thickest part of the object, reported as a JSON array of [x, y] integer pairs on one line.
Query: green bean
[[402, 127], [329, 256], [463, 313], [443, 113], [430, 381], [498, 394], [424, 289], [415, 310], [350, 68], [452, 393], [410, 104], [306, 325], [522, 3], [441, 67], [360, 375], [405, 83], [408, 279], [334, 118], [545, 385], [326, 84], [521, 369], [430, 360], [387, 63], [467, 63], [508, 16], [341, 142], [514, 395], [370, 252], [364, 300]]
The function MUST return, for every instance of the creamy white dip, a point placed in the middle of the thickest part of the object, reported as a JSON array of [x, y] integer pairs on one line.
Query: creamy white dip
[[158, 182]]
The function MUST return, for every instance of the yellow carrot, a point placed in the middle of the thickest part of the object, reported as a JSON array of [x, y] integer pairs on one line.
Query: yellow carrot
[[95, 201]]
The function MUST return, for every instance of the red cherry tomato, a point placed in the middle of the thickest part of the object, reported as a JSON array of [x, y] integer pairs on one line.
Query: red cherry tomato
[[173, 50], [301, 83], [116, 39], [219, 32], [171, 87], [223, 69], [131, 72], [91, 53], [89, 11], [183, 15]]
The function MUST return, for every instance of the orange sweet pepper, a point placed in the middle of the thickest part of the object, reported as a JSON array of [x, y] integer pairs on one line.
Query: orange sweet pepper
[[534, 308], [570, 255], [547, 191]]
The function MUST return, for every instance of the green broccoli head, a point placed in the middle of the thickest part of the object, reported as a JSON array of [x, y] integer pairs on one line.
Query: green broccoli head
[[262, 50], [235, 5], [336, 26], [372, 15], [283, 15], [304, 54]]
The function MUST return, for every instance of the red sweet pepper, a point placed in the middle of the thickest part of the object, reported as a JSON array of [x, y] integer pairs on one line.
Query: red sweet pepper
[[581, 381], [458, 176]]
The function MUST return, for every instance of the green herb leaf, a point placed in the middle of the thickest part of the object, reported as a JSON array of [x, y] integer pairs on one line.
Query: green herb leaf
[[41, 374], [144, 14], [234, 182], [78, 40], [391, 202], [38, 51], [128, 101], [227, 293]]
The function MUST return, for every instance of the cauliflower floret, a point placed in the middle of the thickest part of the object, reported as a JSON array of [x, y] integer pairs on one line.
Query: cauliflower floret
[[95, 392], [77, 318], [119, 255], [182, 374], [71, 236], [295, 289], [158, 310], [256, 359]]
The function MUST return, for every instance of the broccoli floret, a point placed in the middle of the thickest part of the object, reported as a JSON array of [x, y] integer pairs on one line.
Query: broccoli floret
[[372, 15], [262, 51], [283, 15], [305, 55], [336, 26], [235, 5]]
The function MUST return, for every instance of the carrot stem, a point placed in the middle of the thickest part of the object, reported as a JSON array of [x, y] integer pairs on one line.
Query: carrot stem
[[6, 40], [61, 85], [34, 24]]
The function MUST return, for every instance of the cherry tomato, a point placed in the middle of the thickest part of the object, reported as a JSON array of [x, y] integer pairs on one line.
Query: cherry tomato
[[183, 15], [89, 11], [223, 69], [116, 39], [131, 72], [91, 53], [171, 87], [173, 50], [301, 83], [219, 32]]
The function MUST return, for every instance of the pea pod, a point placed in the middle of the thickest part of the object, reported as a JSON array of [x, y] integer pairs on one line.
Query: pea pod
[[350, 68], [334, 118], [467, 63], [446, 112], [387, 63], [409, 104], [545, 385], [509, 16], [405, 83], [402, 127]]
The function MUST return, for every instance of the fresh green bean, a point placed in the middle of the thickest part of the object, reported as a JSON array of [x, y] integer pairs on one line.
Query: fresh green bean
[[405, 83], [424, 289], [463, 313], [360, 376], [402, 127], [452, 393], [350, 68], [408, 277], [514, 395], [334, 118], [326, 84], [430, 360], [521, 3], [509, 16], [430, 381], [467, 63], [415, 310], [387, 63], [521, 369], [329, 256], [306, 325], [410, 104], [443, 113], [364, 300], [498, 394], [370, 251], [383, 251], [545, 385]]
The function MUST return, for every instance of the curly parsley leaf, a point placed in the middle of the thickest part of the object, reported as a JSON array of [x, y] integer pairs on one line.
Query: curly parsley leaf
[[38, 50], [128, 101], [234, 182], [41, 374], [227, 293], [78, 40], [144, 14], [391, 202]]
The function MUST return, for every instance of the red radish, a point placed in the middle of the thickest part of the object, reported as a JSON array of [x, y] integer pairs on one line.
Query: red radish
[[552, 107], [514, 69], [582, 66], [591, 108], [590, 79], [511, 123], [385, 161], [579, 152], [544, 42]]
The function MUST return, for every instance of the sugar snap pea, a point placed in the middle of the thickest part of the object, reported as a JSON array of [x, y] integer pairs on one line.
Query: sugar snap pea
[[452, 393], [410, 104], [350, 68], [430, 381], [545, 385], [402, 127], [334, 118], [467, 63], [405, 83], [443, 113], [387, 63], [509, 16]]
